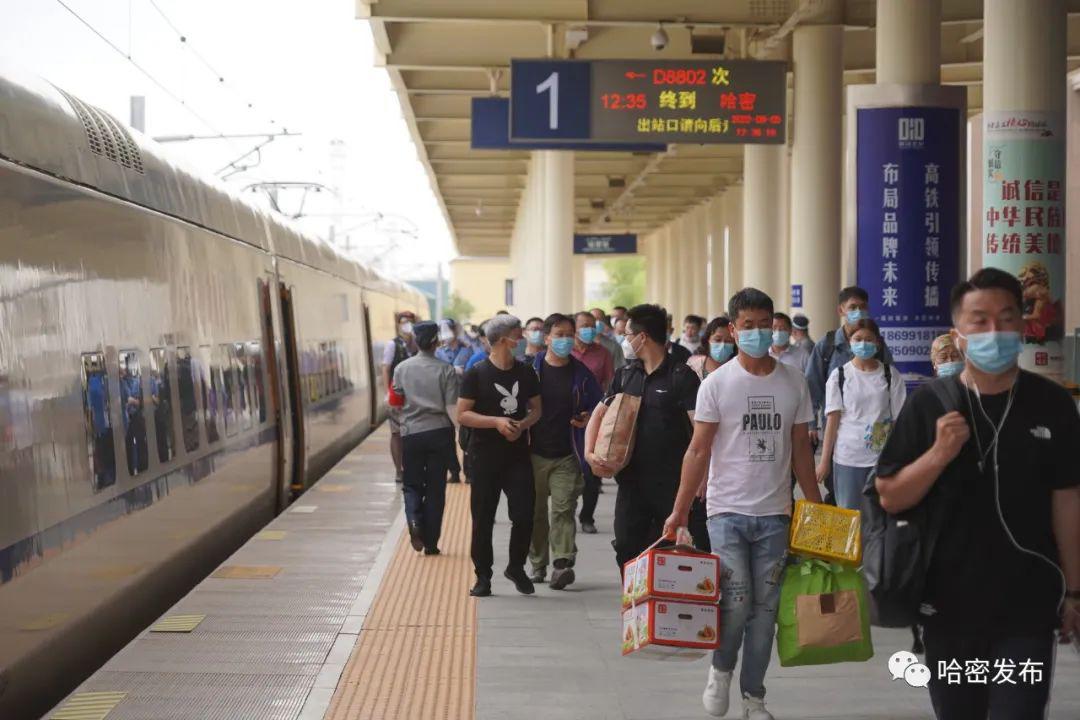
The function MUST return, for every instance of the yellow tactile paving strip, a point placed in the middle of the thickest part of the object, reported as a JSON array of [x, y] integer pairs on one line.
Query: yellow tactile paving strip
[[416, 654]]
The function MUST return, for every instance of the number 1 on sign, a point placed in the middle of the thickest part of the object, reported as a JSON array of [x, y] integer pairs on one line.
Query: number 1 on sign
[[552, 84]]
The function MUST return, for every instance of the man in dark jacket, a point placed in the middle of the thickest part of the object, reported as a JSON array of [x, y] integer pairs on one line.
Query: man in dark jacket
[[569, 392]]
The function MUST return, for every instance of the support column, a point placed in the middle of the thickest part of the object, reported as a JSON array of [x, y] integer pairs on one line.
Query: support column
[[557, 212], [700, 260], [685, 283], [733, 214], [816, 181], [763, 226], [1025, 80], [908, 42], [576, 300], [717, 271], [671, 277]]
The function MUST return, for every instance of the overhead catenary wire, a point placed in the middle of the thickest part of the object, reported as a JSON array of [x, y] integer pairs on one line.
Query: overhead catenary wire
[[149, 76]]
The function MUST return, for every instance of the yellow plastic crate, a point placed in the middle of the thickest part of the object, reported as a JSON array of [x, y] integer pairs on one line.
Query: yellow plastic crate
[[826, 532]]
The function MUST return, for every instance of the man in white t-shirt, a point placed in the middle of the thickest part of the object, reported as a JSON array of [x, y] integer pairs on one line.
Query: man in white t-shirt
[[750, 430]]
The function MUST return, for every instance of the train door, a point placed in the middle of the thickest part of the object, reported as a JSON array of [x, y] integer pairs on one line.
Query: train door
[[277, 396], [373, 394], [296, 400]]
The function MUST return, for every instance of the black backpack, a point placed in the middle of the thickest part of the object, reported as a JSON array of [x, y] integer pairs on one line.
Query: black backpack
[[897, 548]]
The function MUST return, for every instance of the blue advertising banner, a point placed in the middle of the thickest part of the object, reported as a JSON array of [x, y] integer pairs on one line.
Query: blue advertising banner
[[605, 244], [491, 131], [908, 224]]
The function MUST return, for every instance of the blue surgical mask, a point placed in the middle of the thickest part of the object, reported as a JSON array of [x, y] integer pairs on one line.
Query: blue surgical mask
[[562, 346], [950, 368], [756, 342], [993, 352], [780, 338], [721, 351], [587, 334], [536, 337], [864, 350], [854, 316]]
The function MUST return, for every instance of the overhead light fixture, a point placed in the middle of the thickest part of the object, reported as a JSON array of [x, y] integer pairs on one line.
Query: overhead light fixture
[[659, 38], [479, 208]]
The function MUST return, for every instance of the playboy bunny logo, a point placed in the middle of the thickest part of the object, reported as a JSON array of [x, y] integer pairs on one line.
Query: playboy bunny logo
[[509, 402]]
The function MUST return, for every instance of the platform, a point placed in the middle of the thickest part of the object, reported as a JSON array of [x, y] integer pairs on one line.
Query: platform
[[329, 613]]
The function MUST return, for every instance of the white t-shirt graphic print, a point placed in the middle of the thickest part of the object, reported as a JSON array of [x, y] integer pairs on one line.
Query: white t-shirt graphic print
[[867, 415], [750, 468]]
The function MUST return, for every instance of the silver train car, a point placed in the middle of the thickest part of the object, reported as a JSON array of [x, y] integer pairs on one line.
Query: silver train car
[[175, 366]]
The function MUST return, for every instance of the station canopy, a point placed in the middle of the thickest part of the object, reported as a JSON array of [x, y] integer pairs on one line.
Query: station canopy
[[441, 54]]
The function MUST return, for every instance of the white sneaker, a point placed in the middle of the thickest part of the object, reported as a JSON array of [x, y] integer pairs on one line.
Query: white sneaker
[[754, 709], [717, 693]]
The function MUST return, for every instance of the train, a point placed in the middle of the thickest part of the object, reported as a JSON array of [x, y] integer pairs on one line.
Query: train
[[177, 365]]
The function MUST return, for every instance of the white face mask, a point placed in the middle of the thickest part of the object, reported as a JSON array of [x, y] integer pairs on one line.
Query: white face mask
[[405, 328], [628, 349], [446, 335]]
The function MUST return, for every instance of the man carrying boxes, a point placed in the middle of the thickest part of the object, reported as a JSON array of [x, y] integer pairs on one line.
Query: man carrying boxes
[[750, 431]]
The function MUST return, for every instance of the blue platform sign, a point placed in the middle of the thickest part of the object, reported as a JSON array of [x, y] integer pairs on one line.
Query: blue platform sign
[[908, 224], [549, 100], [491, 131], [796, 296], [585, 244]]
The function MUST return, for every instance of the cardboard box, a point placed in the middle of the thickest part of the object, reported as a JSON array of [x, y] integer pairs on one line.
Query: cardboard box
[[671, 629], [672, 575]]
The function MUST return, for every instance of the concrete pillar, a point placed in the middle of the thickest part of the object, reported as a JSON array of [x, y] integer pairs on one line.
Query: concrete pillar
[[685, 272], [557, 212], [763, 225], [733, 216], [671, 277], [1024, 67], [700, 266], [576, 300], [717, 256], [816, 180], [908, 42]]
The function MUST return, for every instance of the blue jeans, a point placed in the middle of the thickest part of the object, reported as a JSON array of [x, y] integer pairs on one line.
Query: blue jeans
[[751, 551], [848, 483]]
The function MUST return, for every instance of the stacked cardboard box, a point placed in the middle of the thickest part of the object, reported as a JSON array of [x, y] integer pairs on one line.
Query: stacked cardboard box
[[670, 606]]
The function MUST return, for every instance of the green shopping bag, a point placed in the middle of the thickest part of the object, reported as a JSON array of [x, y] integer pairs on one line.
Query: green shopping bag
[[824, 616]]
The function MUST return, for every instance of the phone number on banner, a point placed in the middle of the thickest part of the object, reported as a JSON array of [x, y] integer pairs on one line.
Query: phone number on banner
[[911, 343]]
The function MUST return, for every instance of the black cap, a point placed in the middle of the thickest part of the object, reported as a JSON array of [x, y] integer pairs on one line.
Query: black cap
[[800, 322], [425, 333]]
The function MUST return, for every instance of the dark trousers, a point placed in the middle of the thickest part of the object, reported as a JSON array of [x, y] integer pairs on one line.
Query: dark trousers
[[641, 507], [1024, 700], [455, 464], [425, 457], [699, 529], [589, 497], [495, 472]]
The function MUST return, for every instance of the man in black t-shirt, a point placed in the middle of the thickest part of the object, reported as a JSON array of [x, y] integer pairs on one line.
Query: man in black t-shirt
[[996, 465], [569, 392], [500, 400], [649, 482]]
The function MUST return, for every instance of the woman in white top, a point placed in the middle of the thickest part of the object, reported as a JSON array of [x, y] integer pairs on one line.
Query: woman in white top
[[717, 349], [861, 400]]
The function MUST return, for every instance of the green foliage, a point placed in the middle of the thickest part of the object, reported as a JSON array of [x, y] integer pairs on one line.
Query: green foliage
[[625, 283], [458, 308]]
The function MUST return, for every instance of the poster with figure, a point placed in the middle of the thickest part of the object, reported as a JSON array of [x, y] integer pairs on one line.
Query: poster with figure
[[908, 225], [1024, 224]]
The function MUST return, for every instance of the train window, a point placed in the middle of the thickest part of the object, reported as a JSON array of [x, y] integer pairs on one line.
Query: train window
[[258, 390], [189, 411], [243, 384], [131, 403], [99, 434], [161, 397], [223, 369], [326, 373], [209, 382]]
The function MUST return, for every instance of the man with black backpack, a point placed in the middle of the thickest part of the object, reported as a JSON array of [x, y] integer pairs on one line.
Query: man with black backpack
[[979, 479], [668, 390]]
